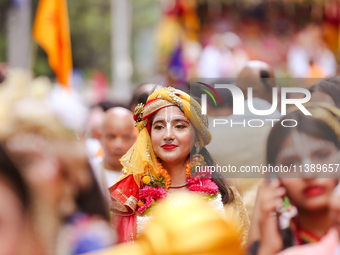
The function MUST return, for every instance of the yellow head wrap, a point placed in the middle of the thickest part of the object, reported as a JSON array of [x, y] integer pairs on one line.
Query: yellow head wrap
[[141, 158]]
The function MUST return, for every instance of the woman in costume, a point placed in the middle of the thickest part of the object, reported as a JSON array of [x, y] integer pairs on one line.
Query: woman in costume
[[330, 243], [171, 128], [67, 211], [314, 142]]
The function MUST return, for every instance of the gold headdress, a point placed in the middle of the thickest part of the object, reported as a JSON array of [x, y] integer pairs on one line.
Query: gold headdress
[[324, 112], [141, 158]]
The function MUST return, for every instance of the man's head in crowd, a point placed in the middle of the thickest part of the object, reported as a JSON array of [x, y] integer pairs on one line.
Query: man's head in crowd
[[256, 74], [117, 136]]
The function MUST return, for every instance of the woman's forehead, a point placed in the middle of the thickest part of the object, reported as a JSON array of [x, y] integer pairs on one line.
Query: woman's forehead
[[170, 111]]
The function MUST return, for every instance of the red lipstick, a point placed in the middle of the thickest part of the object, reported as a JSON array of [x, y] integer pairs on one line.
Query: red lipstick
[[169, 146], [314, 190]]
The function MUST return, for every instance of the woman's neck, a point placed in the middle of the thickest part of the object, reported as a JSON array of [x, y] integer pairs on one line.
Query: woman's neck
[[177, 171], [317, 222]]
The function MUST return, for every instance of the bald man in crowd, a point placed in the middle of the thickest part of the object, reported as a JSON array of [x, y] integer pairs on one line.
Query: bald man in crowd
[[118, 134]]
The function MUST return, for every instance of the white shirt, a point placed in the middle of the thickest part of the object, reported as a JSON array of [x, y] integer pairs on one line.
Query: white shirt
[[112, 176], [105, 178]]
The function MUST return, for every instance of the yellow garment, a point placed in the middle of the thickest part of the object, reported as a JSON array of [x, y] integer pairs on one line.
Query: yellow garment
[[137, 161], [237, 210], [189, 227]]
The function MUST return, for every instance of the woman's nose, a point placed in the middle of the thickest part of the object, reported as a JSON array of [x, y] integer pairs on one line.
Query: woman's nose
[[169, 132]]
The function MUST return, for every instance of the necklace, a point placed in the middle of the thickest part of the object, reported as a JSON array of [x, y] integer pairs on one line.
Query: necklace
[[167, 178], [178, 186]]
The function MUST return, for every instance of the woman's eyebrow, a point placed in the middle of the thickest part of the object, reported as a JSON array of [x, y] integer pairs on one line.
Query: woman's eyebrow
[[158, 121], [181, 119]]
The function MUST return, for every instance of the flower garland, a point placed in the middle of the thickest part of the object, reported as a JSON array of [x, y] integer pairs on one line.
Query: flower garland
[[155, 187]]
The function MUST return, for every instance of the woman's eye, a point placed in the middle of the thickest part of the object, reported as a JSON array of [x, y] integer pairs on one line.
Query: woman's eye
[[180, 126], [322, 154], [159, 127], [291, 161]]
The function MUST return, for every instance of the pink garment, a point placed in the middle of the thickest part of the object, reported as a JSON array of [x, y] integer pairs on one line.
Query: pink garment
[[327, 246]]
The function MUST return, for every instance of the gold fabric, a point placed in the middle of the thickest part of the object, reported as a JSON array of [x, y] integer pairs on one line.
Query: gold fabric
[[190, 227], [325, 112], [141, 158], [238, 212]]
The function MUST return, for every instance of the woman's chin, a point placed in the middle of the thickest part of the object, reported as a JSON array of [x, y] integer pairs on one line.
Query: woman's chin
[[171, 158]]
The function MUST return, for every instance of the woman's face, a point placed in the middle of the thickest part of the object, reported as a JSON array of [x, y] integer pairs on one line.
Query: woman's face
[[170, 124], [311, 191]]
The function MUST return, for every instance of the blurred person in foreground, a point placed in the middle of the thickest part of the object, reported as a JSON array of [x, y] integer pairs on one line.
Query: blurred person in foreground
[[164, 160], [15, 227], [326, 90], [244, 145], [329, 244], [117, 135], [68, 213], [188, 227], [314, 142]]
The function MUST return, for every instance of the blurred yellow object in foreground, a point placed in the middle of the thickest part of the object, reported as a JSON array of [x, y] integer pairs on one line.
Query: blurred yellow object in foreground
[[189, 227]]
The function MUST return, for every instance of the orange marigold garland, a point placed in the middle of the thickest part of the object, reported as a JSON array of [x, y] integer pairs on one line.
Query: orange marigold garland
[[155, 187], [165, 175]]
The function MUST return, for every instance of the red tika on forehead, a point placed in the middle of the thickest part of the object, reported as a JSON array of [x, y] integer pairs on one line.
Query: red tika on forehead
[[148, 125]]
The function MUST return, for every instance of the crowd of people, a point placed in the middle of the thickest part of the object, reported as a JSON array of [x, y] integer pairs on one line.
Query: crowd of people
[[200, 39], [123, 179]]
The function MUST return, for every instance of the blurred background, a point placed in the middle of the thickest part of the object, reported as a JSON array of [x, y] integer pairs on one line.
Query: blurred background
[[119, 44]]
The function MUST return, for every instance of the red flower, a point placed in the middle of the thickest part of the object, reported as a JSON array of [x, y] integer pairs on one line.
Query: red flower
[[204, 185], [148, 202], [155, 192], [150, 195]]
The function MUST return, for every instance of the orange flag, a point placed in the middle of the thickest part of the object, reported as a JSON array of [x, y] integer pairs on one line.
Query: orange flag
[[51, 31]]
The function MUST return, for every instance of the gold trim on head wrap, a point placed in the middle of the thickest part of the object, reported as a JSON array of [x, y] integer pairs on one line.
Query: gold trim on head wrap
[[141, 158], [324, 112]]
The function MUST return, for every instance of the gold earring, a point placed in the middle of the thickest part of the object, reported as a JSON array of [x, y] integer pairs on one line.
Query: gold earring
[[197, 159]]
